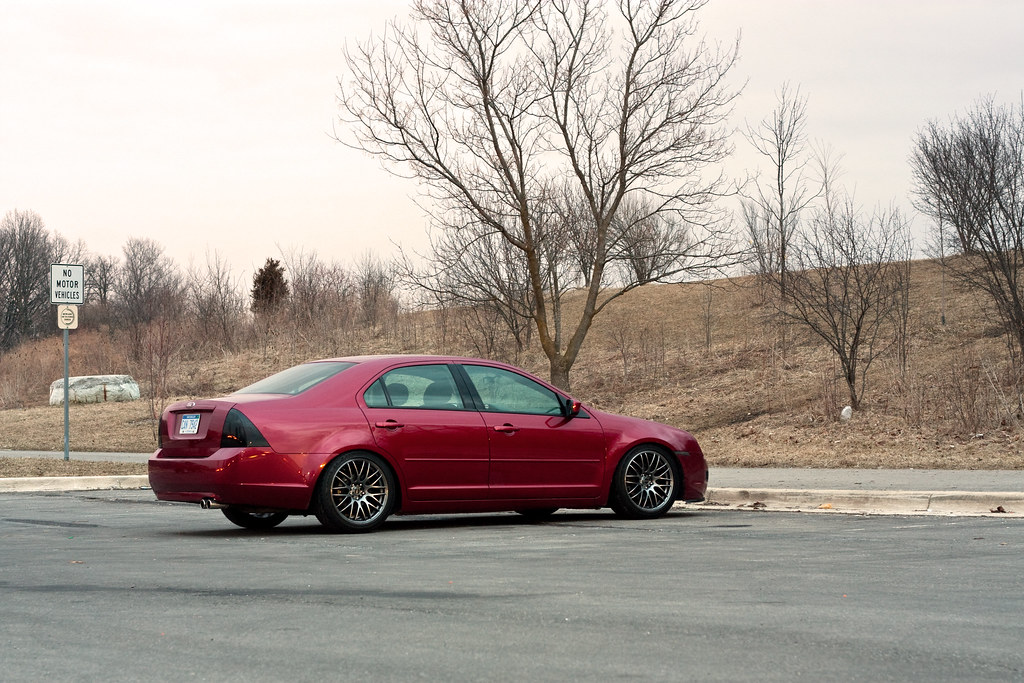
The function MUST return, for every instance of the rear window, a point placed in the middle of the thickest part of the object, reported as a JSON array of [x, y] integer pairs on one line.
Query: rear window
[[297, 379]]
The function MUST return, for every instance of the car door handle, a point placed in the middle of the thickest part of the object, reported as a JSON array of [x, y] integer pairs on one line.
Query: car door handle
[[389, 424], [506, 428]]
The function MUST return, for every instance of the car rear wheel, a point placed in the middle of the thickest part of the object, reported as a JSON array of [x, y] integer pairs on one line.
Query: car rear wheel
[[254, 520], [645, 483], [357, 492]]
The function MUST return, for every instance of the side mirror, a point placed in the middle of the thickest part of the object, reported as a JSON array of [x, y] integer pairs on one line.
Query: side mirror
[[572, 408]]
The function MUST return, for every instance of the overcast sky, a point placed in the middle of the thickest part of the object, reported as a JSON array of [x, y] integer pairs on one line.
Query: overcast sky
[[206, 125]]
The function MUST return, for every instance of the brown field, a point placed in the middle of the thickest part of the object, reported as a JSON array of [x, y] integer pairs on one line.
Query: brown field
[[748, 402], [49, 467]]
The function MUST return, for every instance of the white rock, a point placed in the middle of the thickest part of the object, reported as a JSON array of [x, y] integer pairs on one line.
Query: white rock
[[95, 389], [846, 413]]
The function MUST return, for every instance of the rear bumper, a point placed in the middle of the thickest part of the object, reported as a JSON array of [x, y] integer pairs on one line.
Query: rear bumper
[[257, 477]]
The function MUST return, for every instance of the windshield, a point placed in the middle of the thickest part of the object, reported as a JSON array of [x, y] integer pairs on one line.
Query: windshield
[[297, 379]]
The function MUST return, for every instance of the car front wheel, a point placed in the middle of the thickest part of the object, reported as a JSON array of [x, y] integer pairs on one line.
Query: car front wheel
[[356, 493], [645, 483], [254, 520]]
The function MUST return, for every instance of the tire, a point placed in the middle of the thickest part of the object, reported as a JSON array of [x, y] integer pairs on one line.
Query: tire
[[538, 514], [645, 483], [356, 493], [254, 520]]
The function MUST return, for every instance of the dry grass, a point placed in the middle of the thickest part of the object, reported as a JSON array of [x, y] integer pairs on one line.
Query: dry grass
[[103, 427], [49, 467], [749, 401]]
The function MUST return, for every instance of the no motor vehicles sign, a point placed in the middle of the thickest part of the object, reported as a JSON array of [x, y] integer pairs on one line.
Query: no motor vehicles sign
[[67, 284], [67, 288]]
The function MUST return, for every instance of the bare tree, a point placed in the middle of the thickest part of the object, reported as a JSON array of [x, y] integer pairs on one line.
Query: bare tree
[[26, 251], [474, 270], [847, 283], [901, 311], [473, 265], [486, 333], [100, 281], [376, 282], [148, 286], [63, 251], [969, 176], [160, 342], [707, 312], [316, 285], [215, 302], [504, 109], [772, 207], [100, 275], [6, 272], [644, 244], [322, 301]]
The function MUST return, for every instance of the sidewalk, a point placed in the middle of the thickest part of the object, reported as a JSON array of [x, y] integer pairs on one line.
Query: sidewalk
[[883, 491], [868, 480], [79, 455], [891, 491]]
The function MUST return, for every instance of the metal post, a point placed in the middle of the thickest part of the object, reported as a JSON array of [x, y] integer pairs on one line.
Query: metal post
[[67, 288], [67, 431]]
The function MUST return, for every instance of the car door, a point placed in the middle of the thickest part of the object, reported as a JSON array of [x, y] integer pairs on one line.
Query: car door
[[419, 418], [536, 451]]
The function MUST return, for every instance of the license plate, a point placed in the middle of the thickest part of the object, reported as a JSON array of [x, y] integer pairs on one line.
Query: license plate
[[189, 424]]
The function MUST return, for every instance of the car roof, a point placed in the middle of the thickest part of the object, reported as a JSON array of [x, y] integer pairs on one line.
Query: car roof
[[380, 359]]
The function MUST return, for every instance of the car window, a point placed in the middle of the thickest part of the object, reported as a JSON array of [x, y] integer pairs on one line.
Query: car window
[[375, 396], [503, 391], [416, 386], [296, 379]]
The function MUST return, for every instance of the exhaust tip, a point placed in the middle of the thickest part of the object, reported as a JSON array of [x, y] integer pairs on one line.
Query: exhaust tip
[[210, 504]]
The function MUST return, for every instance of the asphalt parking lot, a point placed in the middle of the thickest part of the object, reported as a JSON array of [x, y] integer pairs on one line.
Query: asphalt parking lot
[[114, 585]]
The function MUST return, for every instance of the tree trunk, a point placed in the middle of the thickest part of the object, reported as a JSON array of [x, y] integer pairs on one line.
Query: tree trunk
[[559, 372], [851, 383]]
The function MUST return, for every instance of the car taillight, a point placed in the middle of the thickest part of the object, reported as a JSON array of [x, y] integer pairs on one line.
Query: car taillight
[[239, 432], [162, 432]]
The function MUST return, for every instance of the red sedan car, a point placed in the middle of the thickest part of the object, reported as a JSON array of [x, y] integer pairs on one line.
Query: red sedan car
[[353, 440]]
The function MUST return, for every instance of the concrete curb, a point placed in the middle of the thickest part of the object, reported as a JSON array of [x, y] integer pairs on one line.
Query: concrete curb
[[778, 500], [889, 502], [31, 484]]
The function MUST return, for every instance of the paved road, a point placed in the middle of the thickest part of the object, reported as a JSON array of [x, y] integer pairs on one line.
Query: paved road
[[115, 585]]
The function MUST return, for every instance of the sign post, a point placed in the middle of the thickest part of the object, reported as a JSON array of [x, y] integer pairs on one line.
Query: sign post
[[67, 288]]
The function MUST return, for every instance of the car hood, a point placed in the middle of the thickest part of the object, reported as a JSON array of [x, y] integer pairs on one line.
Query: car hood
[[628, 431]]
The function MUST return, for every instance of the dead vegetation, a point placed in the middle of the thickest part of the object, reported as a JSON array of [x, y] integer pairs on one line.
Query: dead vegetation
[[50, 467], [954, 406]]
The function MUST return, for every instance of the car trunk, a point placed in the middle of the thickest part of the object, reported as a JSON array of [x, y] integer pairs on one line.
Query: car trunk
[[193, 429]]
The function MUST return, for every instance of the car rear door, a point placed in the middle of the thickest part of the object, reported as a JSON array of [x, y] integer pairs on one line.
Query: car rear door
[[419, 418]]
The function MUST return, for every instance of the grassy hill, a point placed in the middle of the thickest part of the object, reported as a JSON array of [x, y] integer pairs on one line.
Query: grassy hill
[[749, 400]]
